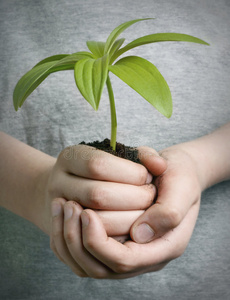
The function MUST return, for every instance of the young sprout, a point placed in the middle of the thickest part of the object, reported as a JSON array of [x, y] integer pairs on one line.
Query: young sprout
[[91, 72]]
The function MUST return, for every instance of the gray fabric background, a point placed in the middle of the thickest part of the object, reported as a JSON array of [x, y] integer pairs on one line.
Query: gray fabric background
[[55, 116]]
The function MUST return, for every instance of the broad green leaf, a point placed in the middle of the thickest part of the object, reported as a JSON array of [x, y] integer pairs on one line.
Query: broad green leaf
[[97, 48], [90, 76], [71, 59], [117, 31], [64, 59], [51, 59], [160, 37], [28, 83], [145, 79], [31, 80]]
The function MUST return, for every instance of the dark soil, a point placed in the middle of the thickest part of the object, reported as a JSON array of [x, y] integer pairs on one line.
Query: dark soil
[[121, 150]]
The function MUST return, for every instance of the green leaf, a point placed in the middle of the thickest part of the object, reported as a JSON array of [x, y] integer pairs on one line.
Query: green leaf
[[28, 83], [145, 79], [71, 59], [97, 48], [117, 44], [31, 80], [117, 31], [90, 76], [51, 59], [65, 59], [160, 37]]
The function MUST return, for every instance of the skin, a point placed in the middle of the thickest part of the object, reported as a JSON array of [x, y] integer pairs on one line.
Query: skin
[[84, 177], [89, 207]]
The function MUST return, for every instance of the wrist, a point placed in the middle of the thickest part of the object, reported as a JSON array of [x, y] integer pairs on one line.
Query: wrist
[[23, 173], [40, 213], [211, 156], [200, 163], [181, 157]]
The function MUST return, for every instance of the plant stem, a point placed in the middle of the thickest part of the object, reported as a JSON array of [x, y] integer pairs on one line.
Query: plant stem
[[113, 115]]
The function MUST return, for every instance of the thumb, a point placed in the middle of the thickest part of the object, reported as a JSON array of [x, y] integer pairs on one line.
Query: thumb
[[172, 205], [154, 223], [176, 195], [151, 159]]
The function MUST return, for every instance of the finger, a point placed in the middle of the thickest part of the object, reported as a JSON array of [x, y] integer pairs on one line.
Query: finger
[[124, 258], [57, 237], [121, 238], [72, 233], [132, 257], [91, 163], [105, 195], [176, 195], [118, 223], [152, 160], [90, 264]]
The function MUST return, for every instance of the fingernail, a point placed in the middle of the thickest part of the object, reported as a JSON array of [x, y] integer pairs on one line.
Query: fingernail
[[68, 211], [149, 178], [143, 234], [84, 219], [55, 209]]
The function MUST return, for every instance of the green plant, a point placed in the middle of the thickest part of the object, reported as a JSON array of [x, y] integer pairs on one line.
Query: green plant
[[91, 71]]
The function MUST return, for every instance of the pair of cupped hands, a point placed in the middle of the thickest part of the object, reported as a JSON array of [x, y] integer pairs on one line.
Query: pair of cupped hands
[[113, 218]]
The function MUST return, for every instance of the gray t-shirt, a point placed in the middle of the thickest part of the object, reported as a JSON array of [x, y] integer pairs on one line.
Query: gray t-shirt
[[56, 115]]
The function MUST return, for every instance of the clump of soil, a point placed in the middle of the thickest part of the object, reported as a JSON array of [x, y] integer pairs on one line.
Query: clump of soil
[[122, 151]]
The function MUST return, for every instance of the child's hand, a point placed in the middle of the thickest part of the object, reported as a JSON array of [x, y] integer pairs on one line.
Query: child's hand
[[107, 184], [179, 189], [98, 180], [172, 217], [31, 180], [163, 231]]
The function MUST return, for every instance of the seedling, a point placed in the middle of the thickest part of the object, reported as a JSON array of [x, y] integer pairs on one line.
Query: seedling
[[91, 72]]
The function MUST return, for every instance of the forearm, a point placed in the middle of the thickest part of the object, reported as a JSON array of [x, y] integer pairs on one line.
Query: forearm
[[211, 154], [22, 173]]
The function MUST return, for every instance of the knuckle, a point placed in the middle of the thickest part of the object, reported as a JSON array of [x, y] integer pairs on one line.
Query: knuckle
[[122, 267], [69, 237], [97, 197], [65, 154], [97, 166], [89, 243], [69, 153], [172, 217]]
